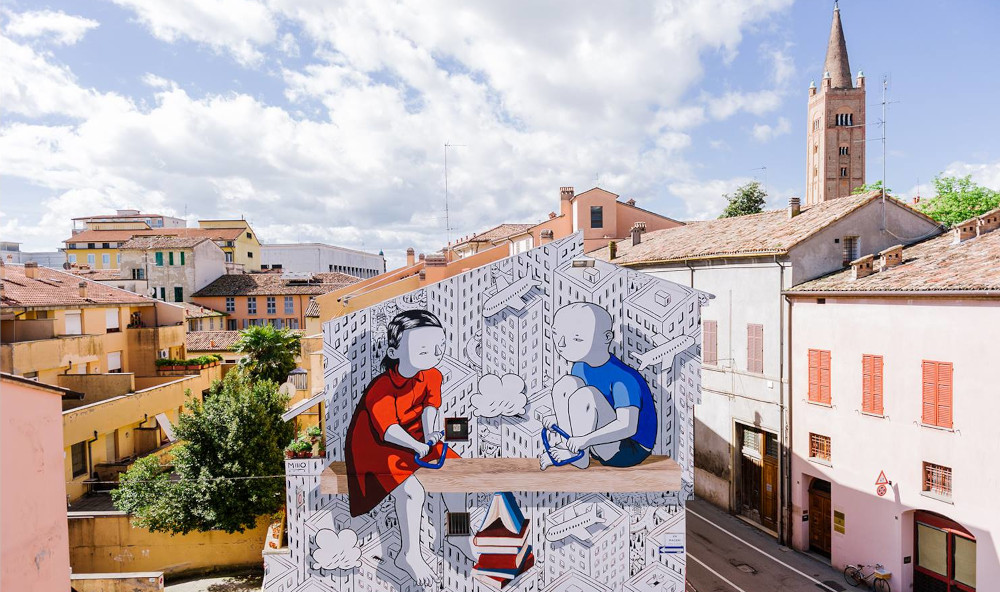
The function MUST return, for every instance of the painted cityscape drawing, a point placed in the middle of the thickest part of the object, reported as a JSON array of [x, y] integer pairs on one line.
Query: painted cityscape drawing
[[575, 364]]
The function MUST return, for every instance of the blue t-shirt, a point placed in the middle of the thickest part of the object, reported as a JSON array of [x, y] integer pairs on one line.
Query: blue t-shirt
[[623, 386]]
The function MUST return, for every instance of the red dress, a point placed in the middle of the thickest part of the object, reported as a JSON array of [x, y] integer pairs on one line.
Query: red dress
[[376, 467]]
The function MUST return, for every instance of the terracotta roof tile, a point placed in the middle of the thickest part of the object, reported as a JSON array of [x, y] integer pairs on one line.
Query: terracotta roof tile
[[936, 264], [312, 310], [767, 233], [98, 275], [211, 340], [499, 232], [120, 236], [196, 311], [142, 243], [270, 284], [52, 287]]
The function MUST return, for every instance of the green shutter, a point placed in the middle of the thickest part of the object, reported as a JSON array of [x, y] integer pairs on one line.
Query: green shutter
[[159, 259], [178, 294], [171, 254], [182, 257]]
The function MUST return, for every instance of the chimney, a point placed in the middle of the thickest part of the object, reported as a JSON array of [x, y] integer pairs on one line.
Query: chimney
[[862, 267], [423, 275], [612, 250], [435, 260], [964, 230], [637, 229], [989, 221], [421, 258], [794, 207], [31, 270], [410, 257], [890, 257], [630, 202], [566, 201], [552, 215], [916, 200], [812, 88], [861, 79], [545, 236], [83, 289]]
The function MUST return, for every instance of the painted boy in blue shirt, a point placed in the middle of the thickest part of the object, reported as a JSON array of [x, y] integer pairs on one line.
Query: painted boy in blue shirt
[[603, 404]]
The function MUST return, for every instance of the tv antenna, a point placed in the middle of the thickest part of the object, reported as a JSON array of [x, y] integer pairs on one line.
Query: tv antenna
[[762, 168], [447, 219]]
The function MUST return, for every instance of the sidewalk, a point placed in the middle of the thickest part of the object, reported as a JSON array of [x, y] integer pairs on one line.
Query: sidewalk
[[727, 554]]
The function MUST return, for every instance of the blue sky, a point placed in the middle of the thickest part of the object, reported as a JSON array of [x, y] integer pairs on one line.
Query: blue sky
[[322, 121]]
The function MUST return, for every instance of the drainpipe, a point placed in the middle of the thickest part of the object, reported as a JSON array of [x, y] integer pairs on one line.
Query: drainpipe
[[787, 485], [784, 421], [90, 456]]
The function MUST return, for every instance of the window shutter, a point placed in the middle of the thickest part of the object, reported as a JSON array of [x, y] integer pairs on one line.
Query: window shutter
[[877, 385], [755, 348], [814, 375], [929, 381], [710, 347], [867, 394], [824, 376], [944, 391]]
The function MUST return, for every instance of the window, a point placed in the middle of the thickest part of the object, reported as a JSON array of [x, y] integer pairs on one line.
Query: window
[[106, 259], [105, 245], [819, 447], [170, 256], [230, 304], [118, 259], [182, 257], [163, 293], [91, 245], [845, 119], [272, 307], [819, 376], [115, 362], [871, 384], [755, 348], [709, 343], [111, 320], [250, 236], [852, 248], [289, 305], [139, 274], [293, 323], [251, 305], [73, 323], [843, 171], [91, 259], [159, 259], [178, 294], [72, 258], [843, 150], [249, 254], [459, 524], [231, 325], [816, 124], [597, 216], [937, 394], [79, 454], [277, 323], [229, 257], [276, 266], [937, 480]]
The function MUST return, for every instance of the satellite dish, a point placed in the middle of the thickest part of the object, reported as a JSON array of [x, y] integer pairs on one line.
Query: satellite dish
[[152, 292], [67, 265]]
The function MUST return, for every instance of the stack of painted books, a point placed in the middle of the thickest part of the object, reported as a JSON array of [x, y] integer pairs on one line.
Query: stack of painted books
[[503, 542]]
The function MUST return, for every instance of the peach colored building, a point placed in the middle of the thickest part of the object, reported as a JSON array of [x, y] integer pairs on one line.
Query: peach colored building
[[894, 411], [34, 544]]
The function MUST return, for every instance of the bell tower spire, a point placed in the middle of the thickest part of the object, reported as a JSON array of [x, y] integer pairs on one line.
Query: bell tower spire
[[836, 62]]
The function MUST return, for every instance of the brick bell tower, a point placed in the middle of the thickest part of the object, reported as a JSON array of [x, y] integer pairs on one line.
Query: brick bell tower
[[835, 136]]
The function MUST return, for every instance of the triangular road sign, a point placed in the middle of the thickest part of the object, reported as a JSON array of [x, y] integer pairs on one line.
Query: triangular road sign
[[881, 479]]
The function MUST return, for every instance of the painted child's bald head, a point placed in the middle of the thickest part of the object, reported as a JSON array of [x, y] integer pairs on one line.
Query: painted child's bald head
[[581, 329]]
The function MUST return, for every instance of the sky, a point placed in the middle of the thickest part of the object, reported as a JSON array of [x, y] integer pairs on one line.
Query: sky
[[327, 121]]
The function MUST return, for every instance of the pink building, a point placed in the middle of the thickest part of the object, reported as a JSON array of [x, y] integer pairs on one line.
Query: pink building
[[894, 411], [34, 541]]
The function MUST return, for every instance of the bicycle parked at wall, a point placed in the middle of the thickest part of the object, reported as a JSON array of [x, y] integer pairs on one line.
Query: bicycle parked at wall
[[877, 578]]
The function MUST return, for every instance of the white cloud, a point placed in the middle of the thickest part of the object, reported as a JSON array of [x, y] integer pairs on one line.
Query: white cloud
[[782, 65], [336, 550], [763, 132], [731, 103], [57, 26], [237, 27], [986, 174], [500, 396]]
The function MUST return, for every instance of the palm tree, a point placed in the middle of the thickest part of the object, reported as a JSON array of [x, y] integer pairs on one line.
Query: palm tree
[[268, 353]]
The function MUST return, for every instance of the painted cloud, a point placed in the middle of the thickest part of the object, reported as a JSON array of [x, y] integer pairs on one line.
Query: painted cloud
[[500, 396], [336, 550]]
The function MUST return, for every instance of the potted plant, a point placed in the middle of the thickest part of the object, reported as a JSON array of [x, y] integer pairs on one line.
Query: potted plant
[[314, 434], [303, 449], [290, 451]]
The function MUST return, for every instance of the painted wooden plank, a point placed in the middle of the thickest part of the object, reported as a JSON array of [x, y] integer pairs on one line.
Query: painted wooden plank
[[471, 475]]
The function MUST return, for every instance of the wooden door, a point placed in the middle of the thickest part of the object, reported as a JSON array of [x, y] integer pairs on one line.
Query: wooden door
[[769, 494], [819, 518]]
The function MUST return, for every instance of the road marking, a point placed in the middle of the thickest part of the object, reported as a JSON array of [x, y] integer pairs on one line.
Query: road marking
[[717, 574], [752, 546]]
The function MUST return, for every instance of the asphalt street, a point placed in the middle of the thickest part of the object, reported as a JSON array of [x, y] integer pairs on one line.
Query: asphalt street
[[726, 554]]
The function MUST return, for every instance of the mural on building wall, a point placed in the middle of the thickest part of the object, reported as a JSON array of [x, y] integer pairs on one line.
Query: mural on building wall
[[546, 354]]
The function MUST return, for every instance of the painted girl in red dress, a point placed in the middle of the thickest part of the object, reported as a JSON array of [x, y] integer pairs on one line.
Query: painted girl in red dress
[[396, 419]]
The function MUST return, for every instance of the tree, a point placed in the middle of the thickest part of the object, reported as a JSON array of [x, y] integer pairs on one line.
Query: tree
[[876, 186], [747, 199], [228, 469], [958, 199], [268, 353]]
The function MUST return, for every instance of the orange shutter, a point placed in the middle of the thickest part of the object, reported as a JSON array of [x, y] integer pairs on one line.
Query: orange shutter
[[929, 381], [814, 375], [877, 385], [755, 348], [824, 376], [867, 403], [944, 391]]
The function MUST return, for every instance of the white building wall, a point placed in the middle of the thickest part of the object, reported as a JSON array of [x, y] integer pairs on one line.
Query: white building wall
[[905, 332], [320, 258]]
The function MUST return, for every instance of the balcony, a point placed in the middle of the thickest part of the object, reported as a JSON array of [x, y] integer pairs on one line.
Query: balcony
[[21, 357]]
